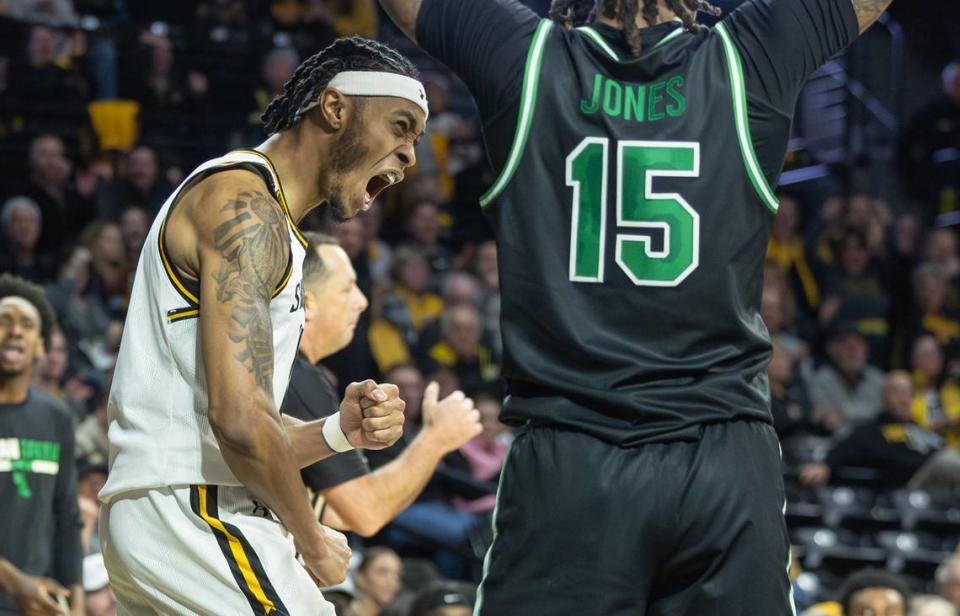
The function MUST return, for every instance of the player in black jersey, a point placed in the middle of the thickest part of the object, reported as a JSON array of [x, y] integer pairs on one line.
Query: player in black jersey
[[635, 154]]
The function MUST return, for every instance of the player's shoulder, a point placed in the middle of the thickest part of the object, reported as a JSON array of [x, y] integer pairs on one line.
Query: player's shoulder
[[231, 193]]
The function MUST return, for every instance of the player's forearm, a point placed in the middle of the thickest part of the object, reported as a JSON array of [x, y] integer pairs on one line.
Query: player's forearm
[[8, 574], [77, 600], [868, 11], [404, 14], [256, 448], [307, 441], [368, 503]]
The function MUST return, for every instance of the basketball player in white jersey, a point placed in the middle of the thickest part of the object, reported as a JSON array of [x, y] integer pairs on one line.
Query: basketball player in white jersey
[[204, 473]]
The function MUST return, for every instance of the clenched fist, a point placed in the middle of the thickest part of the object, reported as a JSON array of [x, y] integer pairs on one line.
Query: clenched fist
[[371, 415], [450, 422]]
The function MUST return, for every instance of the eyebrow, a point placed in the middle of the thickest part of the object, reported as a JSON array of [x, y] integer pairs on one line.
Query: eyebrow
[[412, 119]]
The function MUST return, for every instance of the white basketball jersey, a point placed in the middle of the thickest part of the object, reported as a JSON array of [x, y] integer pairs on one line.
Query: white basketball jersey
[[157, 412]]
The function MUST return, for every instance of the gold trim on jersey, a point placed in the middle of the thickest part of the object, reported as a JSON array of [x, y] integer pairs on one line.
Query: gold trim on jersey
[[278, 190], [243, 562], [181, 314]]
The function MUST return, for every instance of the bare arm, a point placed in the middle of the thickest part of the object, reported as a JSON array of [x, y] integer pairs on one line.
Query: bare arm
[[366, 504], [404, 14], [242, 252], [868, 11], [306, 440]]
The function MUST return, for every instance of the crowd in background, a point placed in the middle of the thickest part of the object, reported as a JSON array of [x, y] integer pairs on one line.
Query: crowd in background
[[104, 107]]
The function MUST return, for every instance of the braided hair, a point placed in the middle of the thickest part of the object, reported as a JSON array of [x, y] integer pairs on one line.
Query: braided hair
[[572, 13], [312, 76]]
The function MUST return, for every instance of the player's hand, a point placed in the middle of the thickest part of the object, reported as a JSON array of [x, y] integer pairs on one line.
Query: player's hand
[[327, 560], [34, 595], [371, 415], [450, 422]]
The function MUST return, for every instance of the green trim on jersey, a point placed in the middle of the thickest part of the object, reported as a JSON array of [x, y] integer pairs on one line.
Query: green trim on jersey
[[528, 104], [602, 44], [493, 527], [738, 86]]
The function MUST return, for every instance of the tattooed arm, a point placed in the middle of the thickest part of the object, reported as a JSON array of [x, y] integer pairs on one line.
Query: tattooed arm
[[242, 249], [868, 11]]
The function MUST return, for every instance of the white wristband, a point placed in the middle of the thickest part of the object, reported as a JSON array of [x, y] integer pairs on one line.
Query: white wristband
[[333, 434]]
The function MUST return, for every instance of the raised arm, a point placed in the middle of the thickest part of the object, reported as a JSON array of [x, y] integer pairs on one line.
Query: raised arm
[[242, 252], [404, 13], [868, 11]]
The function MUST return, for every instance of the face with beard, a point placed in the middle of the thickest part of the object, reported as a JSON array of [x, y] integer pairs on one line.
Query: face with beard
[[374, 148], [20, 340]]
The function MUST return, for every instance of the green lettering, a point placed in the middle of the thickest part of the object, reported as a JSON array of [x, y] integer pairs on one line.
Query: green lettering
[[655, 99], [593, 107], [633, 103], [679, 106], [613, 98]]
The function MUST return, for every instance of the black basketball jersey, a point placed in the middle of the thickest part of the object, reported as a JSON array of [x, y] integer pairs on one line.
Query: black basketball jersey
[[632, 219]]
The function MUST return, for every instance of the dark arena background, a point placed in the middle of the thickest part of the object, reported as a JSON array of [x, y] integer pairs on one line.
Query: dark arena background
[[105, 105]]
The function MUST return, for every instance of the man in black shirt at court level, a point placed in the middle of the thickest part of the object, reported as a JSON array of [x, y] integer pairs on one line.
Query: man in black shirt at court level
[[346, 494]]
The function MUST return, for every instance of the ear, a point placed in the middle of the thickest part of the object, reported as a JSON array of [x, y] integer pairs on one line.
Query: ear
[[334, 107], [309, 304]]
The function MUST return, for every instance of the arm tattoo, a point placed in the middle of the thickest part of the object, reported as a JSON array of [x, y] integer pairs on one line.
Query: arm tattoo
[[869, 10], [255, 249]]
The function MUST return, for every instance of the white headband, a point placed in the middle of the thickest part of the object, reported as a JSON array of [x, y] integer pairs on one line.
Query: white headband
[[372, 83]]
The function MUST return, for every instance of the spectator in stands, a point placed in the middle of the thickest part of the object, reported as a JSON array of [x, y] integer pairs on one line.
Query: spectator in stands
[[874, 592], [346, 493], [948, 580], [410, 306], [423, 232], [486, 268], [930, 605], [789, 396], [854, 292], [91, 434], [778, 310], [22, 222], [51, 377], [140, 185], [162, 87], [936, 403], [444, 598], [277, 69], [62, 209], [787, 249], [100, 598], [891, 444], [848, 389], [54, 13], [41, 80], [379, 253], [941, 250], [929, 314], [378, 579], [134, 226], [485, 453], [91, 477], [935, 127], [108, 258], [462, 350], [40, 533]]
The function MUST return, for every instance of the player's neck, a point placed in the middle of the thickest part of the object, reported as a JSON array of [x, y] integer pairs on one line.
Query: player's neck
[[665, 15], [13, 390], [298, 166]]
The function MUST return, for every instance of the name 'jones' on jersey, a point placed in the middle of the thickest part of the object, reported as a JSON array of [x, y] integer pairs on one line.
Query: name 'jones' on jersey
[[632, 220]]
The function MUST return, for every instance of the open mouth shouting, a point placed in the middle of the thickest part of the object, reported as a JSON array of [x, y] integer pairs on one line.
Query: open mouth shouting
[[379, 183]]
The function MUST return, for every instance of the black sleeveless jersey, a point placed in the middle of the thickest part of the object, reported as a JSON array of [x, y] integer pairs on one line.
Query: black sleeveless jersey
[[632, 219]]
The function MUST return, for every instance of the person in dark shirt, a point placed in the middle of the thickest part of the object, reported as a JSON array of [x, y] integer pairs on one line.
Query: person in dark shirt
[[40, 548], [892, 444], [635, 154], [346, 494], [141, 185]]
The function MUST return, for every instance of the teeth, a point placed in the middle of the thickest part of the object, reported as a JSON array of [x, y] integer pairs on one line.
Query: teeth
[[393, 176]]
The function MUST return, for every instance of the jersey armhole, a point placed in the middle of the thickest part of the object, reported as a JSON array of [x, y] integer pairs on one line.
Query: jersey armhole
[[739, 91], [528, 103]]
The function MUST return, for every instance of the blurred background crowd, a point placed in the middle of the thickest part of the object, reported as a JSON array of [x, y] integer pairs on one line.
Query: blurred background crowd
[[105, 105]]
